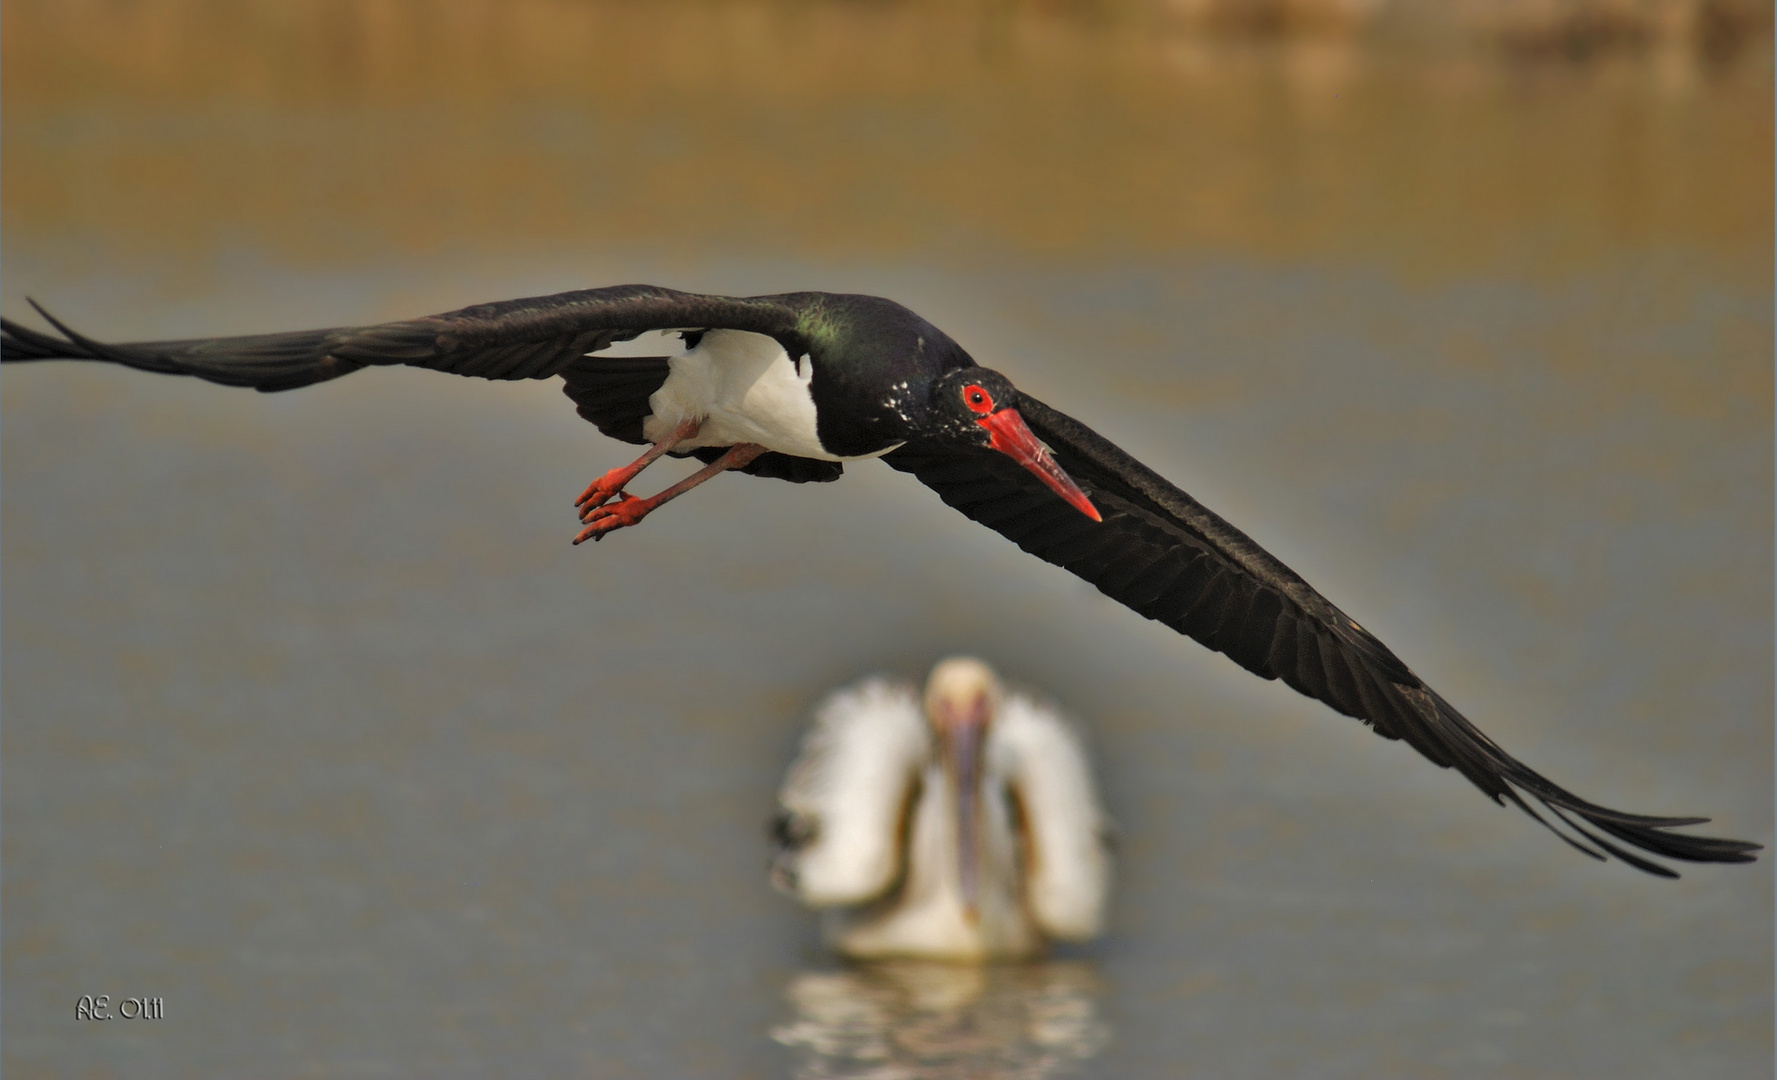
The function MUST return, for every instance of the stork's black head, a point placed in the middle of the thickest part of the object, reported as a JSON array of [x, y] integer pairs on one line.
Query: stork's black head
[[961, 398], [978, 407]]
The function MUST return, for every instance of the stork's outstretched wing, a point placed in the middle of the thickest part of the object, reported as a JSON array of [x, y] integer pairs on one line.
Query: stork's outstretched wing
[[843, 810], [1161, 553], [533, 338]]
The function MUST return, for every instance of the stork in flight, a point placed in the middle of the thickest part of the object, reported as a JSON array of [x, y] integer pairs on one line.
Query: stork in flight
[[963, 826], [795, 385]]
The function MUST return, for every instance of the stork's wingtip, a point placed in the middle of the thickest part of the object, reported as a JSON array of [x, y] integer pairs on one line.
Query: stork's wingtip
[[60, 326]]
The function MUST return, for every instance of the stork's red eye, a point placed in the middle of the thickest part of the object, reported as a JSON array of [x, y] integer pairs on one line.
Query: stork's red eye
[[977, 399]]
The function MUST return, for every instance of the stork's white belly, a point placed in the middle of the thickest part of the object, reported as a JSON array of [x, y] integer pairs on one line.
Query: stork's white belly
[[745, 389]]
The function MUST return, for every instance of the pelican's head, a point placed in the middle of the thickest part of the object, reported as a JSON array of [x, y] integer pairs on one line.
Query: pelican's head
[[961, 697], [961, 691]]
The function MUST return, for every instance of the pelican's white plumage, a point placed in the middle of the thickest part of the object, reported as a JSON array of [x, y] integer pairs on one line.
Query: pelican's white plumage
[[1068, 886], [851, 784], [872, 828]]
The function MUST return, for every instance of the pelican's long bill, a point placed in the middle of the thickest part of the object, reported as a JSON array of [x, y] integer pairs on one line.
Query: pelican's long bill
[[1010, 436], [964, 737]]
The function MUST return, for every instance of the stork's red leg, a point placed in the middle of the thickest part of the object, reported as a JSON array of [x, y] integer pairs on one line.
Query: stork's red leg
[[628, 509], [616, 480]]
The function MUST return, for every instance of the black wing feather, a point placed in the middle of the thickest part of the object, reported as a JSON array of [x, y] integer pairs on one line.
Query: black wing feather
[[534, 338], [775, 466], [612, 392], [1166, 556]]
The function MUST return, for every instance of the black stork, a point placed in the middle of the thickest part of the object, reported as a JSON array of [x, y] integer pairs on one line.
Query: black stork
[[793, 386]]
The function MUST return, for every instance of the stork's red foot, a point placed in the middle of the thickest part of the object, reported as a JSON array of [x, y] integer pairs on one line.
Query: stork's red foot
[[602, 490], [605, 488], [626, 511]]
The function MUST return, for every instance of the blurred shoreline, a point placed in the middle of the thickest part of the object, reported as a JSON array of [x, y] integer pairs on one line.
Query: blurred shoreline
[[1532, 136], [391, 50]]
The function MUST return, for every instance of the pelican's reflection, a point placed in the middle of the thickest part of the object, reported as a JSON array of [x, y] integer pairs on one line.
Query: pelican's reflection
[[907, 1019]]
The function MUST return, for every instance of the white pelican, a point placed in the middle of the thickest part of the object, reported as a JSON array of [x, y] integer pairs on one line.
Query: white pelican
[[968, 829]]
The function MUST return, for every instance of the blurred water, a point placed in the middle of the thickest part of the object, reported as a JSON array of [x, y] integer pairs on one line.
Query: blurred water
[[318, 729], [898, 1018]]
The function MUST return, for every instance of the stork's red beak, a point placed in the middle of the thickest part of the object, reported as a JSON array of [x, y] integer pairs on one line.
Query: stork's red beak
[[1010, 436]]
